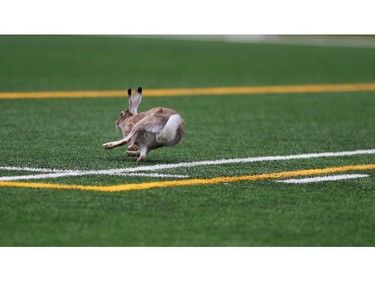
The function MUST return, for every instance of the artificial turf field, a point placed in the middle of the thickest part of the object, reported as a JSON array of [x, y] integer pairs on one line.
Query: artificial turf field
[[67, 134]]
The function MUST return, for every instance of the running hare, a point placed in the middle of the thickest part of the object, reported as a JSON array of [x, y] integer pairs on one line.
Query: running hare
[[145, 131]]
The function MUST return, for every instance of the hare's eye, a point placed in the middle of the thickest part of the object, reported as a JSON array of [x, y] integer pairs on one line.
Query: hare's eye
[[122, 113]]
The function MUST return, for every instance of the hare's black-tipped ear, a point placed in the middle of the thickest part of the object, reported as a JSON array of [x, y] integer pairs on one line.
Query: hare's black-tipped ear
[[130, 99], [135, 100]]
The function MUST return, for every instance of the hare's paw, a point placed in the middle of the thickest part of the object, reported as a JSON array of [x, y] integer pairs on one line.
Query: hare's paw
[[108, 145], [133, 148], [141, 158], [132, 153]]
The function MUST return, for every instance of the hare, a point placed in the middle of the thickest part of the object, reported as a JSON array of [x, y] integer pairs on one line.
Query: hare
[[143, 132]]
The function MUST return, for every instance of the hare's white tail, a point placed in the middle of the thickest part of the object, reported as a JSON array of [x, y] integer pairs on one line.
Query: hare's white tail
[[172, 131]]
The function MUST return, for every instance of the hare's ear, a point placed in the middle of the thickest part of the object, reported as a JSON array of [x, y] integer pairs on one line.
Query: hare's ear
[[129, 99], [135, 100]]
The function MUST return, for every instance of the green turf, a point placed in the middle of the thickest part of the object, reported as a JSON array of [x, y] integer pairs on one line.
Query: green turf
[[68, 133], [35, 63]]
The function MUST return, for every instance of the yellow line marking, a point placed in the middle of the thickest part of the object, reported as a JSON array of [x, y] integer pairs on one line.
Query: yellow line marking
[[189, 182], [246, 90]]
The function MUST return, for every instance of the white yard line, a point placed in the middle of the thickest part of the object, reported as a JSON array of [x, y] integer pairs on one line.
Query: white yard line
[[152, 168], [322, 179]]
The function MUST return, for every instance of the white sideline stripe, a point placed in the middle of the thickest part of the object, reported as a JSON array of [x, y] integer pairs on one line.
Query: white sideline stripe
[[82, 173], [242, 160], [55, 172], [43, 176], [44, 170], [69, 173], [154, 175], [326, 178]]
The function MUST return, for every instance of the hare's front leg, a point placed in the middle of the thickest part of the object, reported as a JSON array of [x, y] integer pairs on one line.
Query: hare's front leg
[[110, 145], [142, 156], [132, 146], [133, 151], [131, 139]]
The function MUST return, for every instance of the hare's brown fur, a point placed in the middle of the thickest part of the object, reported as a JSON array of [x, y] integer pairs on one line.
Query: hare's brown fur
[[147, 130]]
